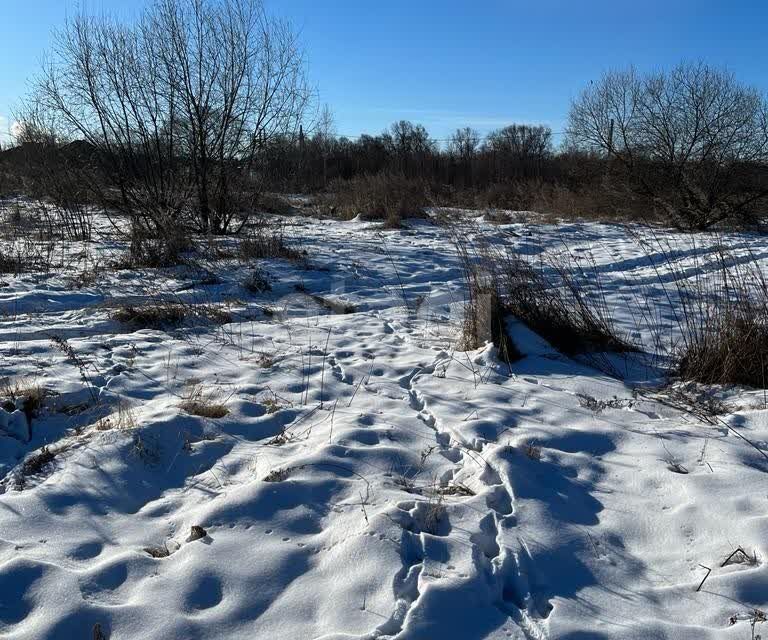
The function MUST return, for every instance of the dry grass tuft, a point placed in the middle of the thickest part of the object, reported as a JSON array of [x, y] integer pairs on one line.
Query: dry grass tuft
[[123, 419], [163, 314], [278, 475], [552, 301], [740, 556], [532, 451], [262, 242], [24, 392], [204, 403]]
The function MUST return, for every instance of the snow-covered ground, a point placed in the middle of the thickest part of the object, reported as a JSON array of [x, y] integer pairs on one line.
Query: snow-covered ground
[[369, 480]]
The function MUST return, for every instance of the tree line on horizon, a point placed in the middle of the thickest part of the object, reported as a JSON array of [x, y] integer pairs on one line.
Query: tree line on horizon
[[187, 116]]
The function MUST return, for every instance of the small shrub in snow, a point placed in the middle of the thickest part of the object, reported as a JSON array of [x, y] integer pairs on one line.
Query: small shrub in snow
[[553, 302], [729, 347], [262, 242], [455, 489], [150, 316], [124, 419], [386, 197], [145, 449], [598, 406], [532, 451], [275, 204], [35, 463], [432, 515], [273, 403], [257, 282]]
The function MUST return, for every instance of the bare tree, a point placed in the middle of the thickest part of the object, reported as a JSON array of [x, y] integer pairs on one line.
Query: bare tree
[[410, 144], [175, 107], [464, 142], [693, 140], [463, 146], [519, 150], [325, 137]]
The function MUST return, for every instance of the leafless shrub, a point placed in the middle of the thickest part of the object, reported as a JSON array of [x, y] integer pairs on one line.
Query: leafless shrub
[[730, 347], [283, 437], [554, 296], [598, 406], [145, 448], [710, 169], [257, 282], [151, 316], [158, 247], [551, 297], [84, 367], [262, 241], [273, 403], [275, 204], [386, 197], [24, 392], [455, 489]]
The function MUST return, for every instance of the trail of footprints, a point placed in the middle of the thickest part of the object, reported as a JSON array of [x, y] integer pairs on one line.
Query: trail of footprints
[[511, 571], [508, 569]]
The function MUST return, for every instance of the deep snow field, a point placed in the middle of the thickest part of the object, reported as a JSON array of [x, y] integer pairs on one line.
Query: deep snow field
[[370, 480]]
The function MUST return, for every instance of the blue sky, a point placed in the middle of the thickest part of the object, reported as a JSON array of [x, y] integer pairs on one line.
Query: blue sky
[[449, 63]]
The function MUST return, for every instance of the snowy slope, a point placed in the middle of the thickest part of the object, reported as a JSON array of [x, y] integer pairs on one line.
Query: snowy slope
[[369, 480]]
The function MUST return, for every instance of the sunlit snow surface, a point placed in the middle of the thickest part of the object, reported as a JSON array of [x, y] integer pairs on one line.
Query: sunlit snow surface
[[409, 499]]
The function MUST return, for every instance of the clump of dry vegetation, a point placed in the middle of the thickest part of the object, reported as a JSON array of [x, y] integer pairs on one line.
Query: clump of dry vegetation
[[554, 297], [275, 204], [257, 282], [550, 297], [206, 403], [22, 393], [720, 310], [123, 419], [164, 314], [278, 475], [36, 462], [150, 316], [485, 318], [384, 196], [261, 242]]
